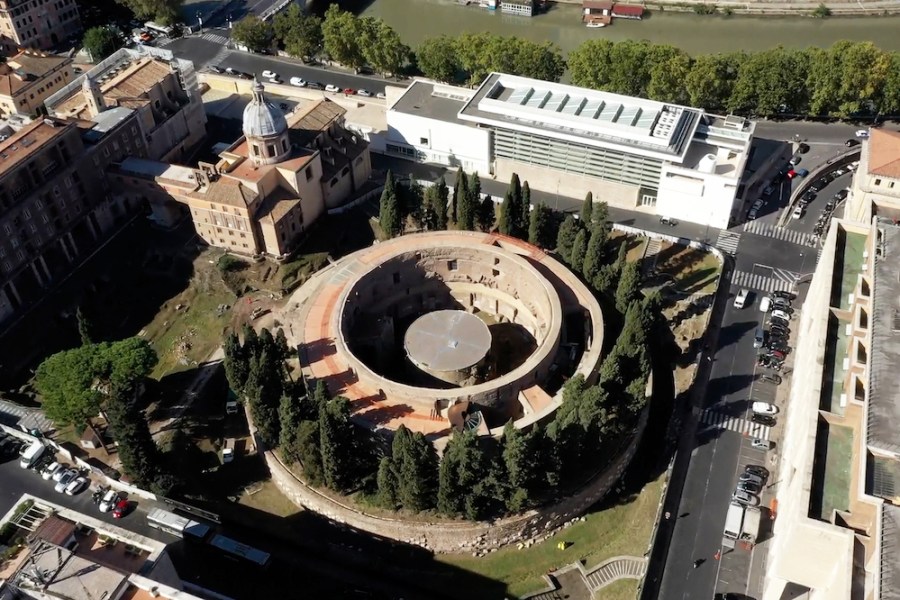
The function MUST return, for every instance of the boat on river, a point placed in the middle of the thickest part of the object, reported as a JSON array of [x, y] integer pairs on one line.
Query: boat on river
[[595, 24]]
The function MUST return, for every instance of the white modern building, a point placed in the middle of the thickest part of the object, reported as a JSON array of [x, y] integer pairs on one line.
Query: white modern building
[[662, 158]]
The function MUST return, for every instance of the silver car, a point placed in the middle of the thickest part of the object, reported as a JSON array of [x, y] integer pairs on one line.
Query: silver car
[[67, 477], [745, 498]]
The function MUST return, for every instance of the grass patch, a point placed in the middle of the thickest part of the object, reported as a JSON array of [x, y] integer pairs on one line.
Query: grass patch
[[268, 499], [621, 529], [836, 493], [623, 589], [694, 271], [295, 272]]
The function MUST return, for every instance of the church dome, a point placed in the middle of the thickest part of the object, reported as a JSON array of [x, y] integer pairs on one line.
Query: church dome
[[261, 117]]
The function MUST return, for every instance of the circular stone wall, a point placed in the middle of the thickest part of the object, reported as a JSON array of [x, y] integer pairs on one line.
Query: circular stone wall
[[447, 344], [363, 306]]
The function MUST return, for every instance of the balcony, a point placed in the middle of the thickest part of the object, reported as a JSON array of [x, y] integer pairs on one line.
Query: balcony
[[49, 168]]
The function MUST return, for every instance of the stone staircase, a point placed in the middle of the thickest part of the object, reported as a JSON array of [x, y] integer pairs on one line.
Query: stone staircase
[[651, 252], [620, 567]]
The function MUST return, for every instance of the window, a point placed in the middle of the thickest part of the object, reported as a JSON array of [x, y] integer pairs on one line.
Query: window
[[333, 182], [451, 265], [27, 213], [272, 150], [284, 146], [344, 171], [255, 150], [878, 182], [423, 141], [309, 173], [396, 278], [358, 160]]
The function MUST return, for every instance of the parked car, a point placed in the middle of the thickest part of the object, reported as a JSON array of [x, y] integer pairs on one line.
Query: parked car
[[783, 294], [146, 37], [77, 485], [766, 420], [314, 85], [780, 314], [364, 93], [67, 477], [216, 69], [269, 74], [851, 143], [381, 96], [121, 509], [51, 470], [841, 195], [791, 174], [803, 148], [298, 81], [795, 160], [765, 304], [751, 477], [757, 470], [762, 444], [109, 501], [58, 474], [748, 487], [332, 88], [745, 498], [802, 172], [349, 91], [741, 299], [862, 133], [798, 212], [764, 408]]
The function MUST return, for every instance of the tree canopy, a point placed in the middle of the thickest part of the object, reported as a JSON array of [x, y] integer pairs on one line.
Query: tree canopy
[[299, 33], [253, 32], [100, 42], [75, 383], [164, 12]]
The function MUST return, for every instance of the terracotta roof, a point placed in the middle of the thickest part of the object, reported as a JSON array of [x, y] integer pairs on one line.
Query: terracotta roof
[[29, 140], [228, 191], [628, 9], [597, 4], [307, 124], [277, 204], [55, 531], [30, 66], [884, 153], [128, 88]]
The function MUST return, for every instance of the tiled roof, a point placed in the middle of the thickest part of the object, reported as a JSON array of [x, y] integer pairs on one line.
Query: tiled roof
[[33, 65], [55, 531], [229, 191], [132, 83], [884, 153], [307, 124]]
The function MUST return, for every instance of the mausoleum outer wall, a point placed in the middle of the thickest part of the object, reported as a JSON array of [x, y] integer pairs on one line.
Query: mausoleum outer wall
[[483, 276]]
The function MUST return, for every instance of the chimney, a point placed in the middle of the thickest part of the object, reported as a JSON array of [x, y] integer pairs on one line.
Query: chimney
[[92, 95]]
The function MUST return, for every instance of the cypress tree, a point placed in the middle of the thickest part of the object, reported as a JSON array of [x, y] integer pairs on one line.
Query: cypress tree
[[336, 437], [284, 350], [415, 463], [138, 453], [486, 216], [517, 226], [507, 215], [469, 203], [525, 205], [629, 286], [387, 483], [439, 207], [565, 238], [600, 214], [289, 417], [462, 467], [539, 226], [250, 339], [521, 458], [309, 451], [236, 363], [587, 208], [579, 249], [389, 215], [593, 258], [457, 193], [85, 327]]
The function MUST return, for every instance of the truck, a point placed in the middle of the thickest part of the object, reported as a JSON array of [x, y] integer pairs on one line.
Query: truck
[[734, 522], [750, 528]]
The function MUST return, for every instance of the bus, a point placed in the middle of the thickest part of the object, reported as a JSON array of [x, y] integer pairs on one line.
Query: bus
[[157, 28], [238, 549], [176, 525]]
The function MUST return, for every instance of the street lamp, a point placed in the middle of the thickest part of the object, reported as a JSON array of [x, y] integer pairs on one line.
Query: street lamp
[[229, 21], [200, 22]]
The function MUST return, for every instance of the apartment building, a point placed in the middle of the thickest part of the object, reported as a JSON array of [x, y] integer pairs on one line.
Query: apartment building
[[838, 517], [162, 89], [39, 24], [657, 157], [268, 187], [29, 78]]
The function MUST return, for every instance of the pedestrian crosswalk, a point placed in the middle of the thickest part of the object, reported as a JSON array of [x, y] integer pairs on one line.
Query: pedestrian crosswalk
[[780, 279], [719, 420], [728, 241], [215, 38], [780, 233]]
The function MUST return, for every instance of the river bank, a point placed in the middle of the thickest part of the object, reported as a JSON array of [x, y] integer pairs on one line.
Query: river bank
[[805, 9], [415, 20]]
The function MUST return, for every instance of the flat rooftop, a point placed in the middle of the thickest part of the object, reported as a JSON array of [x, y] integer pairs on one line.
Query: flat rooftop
[[588, 116], [447, 340], [884, 391], [434, 101], [159, 170], [66, 575], [28, 141], [890, 547]]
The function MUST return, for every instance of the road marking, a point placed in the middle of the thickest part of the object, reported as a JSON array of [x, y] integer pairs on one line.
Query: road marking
[[780, 280], [213, 37], [728, 241], [780, 233], [717, 420]]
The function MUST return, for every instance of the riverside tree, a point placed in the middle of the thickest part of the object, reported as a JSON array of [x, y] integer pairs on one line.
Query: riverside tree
[[252, 32], [298, 32]]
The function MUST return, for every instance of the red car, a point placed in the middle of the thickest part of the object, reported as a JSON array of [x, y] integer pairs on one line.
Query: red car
[[120, 509], [349, 92], [791, 174]]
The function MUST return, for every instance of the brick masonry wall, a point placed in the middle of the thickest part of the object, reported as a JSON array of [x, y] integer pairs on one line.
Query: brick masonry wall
[[448, 537]]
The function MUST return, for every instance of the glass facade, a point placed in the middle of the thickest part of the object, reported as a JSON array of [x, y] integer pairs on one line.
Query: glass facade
[[571, 157]]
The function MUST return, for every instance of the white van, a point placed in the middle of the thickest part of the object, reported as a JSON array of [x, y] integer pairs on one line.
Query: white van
[[765, 304], [228, 451], [741, 299], [32, 453]]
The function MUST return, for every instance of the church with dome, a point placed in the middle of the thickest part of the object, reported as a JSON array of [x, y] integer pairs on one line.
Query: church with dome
[[268, 187]]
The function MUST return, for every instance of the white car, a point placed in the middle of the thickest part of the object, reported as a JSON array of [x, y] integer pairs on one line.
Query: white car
[[741, 299], [364, 93], [764, 408], [269, 74], [76, 485], [780, 314], [745, 498], [67, 477], [798, 212], [332, 88], [762, 444], [57, 475], [765, 304], [298, 81], [51, 470], [862, 133], [109, 501], [381, 96]]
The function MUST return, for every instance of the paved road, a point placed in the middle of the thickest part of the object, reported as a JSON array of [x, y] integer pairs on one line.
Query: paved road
[[204, 51]]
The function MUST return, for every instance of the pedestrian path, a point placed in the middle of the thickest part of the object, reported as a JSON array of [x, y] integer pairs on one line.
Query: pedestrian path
[[215, 38], [780, 233], [621, 567], [220, 56], [780, 279], [728, 241], [719, 420]]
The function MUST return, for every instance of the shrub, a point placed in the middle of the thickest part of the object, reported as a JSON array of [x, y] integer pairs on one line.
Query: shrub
[[229, 263]]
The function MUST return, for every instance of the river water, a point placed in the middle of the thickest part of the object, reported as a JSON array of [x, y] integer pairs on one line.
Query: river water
[[415, 20]]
